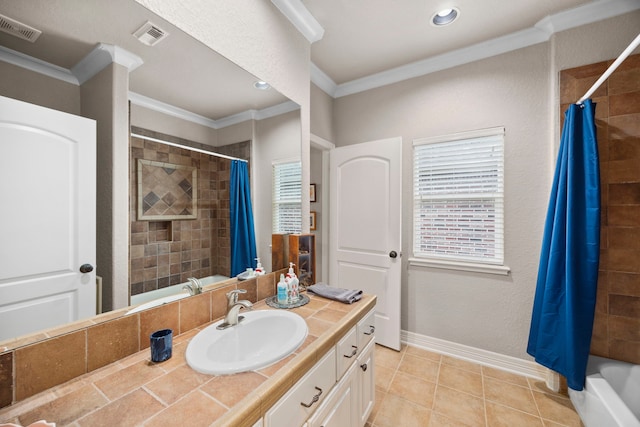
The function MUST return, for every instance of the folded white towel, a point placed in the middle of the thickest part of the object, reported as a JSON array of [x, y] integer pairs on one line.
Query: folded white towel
[[347, 296]]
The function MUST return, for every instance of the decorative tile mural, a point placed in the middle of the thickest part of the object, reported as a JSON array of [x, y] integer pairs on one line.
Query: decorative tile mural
[[166, 191]]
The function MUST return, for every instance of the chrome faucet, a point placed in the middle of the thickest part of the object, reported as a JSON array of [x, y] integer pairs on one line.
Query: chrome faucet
[[233, 308], [194, 286]]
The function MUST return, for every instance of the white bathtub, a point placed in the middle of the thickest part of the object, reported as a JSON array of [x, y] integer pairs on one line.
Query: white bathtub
[[611, 396], [166, 295]]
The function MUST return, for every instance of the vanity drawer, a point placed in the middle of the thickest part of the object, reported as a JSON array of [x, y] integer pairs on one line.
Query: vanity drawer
[[289, 410], [346, 352], [366, 329]]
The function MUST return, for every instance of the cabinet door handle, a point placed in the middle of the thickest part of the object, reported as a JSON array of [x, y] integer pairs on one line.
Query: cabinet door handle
[[371, 331], [353, 353], [364, 367], [314, 400]]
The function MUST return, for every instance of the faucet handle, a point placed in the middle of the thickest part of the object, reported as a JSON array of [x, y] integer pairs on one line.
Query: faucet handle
[[194, 286], [232, 296]]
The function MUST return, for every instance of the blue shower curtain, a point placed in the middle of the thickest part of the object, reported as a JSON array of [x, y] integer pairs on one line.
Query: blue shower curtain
[[243, 238], [564, 304]]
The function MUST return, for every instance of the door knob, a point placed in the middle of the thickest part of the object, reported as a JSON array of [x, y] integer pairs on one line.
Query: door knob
[[393, 254], [86, 268]]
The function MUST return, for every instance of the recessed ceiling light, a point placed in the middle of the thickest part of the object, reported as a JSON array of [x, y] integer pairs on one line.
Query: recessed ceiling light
[[262, 85], [445, 16]]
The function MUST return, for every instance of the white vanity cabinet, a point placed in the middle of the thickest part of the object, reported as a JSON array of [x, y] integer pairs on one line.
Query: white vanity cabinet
[[366, 383], [346, 352], [295, 407], [341, 409], [366, 329], [317, 401]]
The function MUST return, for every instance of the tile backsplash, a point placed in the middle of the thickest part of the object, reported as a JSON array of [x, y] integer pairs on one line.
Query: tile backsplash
[[33, 368], [616, 329]]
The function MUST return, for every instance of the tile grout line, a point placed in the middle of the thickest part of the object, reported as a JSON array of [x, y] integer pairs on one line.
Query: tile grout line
[[484, 398], [535, 402], [386, 391], [435, 392], [484, 377]]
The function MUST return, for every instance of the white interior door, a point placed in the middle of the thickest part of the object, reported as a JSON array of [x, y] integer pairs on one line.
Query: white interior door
[[365, 236], [47, 220]]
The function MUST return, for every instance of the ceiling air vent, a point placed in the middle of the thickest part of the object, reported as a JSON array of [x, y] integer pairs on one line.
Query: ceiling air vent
[[150, 34], [18, 29]]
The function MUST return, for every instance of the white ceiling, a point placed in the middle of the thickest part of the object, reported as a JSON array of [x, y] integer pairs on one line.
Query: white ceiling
[[365, 44], [369, 43], [364, 37]]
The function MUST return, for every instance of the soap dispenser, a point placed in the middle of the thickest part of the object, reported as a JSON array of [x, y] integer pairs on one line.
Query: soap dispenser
[[259, 271], [293, 283], [282, 290]]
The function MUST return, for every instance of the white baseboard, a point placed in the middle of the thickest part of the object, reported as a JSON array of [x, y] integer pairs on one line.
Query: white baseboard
[[483, 357]]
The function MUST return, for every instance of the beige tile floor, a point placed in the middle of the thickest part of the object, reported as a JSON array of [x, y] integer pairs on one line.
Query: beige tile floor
[[415, 387]]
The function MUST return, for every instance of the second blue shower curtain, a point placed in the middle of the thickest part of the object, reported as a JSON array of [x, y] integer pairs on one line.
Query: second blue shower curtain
[[243, 238]]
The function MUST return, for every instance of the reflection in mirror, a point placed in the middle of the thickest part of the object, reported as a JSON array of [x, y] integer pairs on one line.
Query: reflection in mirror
[[166, 250], [179, 91]]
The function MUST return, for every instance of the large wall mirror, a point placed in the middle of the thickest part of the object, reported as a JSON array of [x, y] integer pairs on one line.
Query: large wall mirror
[[182, 93]]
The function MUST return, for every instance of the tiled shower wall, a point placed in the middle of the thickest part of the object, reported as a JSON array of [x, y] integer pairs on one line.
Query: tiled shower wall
[[165, 253], [616, 330]]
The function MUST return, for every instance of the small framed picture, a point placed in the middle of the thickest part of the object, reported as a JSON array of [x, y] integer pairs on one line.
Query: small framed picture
[[312, 221], [312, 193]]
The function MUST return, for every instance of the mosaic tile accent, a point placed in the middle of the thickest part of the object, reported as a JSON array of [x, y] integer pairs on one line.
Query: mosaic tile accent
[[166, 191]]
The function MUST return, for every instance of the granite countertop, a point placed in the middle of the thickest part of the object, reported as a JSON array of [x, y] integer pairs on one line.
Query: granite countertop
[[135, 391]]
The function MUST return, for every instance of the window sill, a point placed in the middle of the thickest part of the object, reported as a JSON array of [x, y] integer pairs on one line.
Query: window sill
[[501, 270]]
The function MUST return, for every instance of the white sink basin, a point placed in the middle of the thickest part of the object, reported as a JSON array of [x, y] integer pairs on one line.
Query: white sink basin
[[261, 339]]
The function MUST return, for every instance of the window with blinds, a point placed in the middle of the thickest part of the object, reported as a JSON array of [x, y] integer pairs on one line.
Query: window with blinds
[[458, 183], [287, 197]]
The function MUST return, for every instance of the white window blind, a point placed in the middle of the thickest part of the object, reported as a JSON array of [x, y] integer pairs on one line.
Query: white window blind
[[459, 197], [287, 197]]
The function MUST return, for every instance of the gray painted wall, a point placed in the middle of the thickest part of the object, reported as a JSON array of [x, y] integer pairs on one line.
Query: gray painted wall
[[276, 138], [517, 90]]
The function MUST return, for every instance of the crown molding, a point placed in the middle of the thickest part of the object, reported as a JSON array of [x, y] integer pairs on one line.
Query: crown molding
[[301, 18], [100, 57], [539, 33], [265, 113], [445, 61], [103, 55], [94, 62], [587, 14], [322, 80], [170, 110], [36, 65], [276, 110]]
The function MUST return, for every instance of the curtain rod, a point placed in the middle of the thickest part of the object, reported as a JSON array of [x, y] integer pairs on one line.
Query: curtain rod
[[186, 147], [611, 69]]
